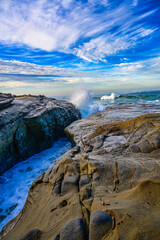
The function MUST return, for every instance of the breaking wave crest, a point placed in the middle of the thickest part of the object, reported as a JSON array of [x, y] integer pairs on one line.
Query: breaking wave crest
[[110, 97], [82, 99]]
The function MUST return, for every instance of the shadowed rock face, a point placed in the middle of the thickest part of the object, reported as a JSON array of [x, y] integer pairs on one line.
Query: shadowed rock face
[[30, 124], [5, 100], [100, 189]]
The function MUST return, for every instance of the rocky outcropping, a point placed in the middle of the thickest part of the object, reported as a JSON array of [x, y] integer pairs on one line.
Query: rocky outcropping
[[106, 187], [5, 100], [29, 124]]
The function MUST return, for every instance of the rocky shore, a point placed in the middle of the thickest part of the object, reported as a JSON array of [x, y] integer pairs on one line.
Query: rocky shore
[[29, 124], [106, 187]]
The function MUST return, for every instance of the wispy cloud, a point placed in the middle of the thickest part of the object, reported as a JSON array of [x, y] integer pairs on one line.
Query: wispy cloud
[[90, 30], [14, 74]]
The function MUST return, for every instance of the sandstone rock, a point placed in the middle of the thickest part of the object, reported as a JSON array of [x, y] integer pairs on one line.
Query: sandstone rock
[[69, 184], [56, 237], [121, 183], [57, 189], [84, 180], [73, 230], [100, 225], [32, 235]]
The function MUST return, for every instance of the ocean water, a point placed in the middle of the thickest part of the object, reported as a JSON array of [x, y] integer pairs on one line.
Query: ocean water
[[89, 102], [15, 183]]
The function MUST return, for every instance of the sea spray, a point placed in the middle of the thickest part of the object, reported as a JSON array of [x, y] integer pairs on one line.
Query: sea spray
[[83, 100], [81, 97]]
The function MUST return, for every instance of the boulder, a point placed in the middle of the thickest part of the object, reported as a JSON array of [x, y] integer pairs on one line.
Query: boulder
[[100, 225], [69, 184], [73, 230]]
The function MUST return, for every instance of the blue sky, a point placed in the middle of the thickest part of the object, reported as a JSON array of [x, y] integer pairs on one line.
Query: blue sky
[[50, 47]]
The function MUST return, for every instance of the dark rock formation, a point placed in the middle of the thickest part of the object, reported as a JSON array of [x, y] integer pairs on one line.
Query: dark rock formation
[[110, 192], [5, 100], [31, 124]]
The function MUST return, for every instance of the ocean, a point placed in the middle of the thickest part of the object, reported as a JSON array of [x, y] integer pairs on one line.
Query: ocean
[[15, 183], [89, 102]]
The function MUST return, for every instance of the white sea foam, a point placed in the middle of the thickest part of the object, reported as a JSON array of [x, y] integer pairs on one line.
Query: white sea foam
[[110, 97], [82, 99], [15, 183]]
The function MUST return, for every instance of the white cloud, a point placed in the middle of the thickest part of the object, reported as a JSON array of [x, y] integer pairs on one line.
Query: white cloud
[[16, 67], [126, 67], [24, 72], [145, 67], [67, 25], [37, 79], [97, 49]]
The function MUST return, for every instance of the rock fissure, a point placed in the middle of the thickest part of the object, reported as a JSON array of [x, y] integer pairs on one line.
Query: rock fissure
[[30, 125]]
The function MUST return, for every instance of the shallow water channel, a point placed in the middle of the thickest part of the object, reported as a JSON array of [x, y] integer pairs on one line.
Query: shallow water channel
[[15, 183]]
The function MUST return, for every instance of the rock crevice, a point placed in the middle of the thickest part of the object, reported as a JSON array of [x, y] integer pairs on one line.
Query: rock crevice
[[30, 124]]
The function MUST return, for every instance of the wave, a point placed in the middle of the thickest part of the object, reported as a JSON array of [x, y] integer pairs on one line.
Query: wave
[[110, 97], [88, 103], [83, 100], [153, 96]]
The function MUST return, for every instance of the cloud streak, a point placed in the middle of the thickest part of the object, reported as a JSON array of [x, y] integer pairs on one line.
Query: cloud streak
[[90, 30]]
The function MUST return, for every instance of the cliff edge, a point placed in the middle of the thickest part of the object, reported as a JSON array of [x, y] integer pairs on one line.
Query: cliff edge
[[29, 124]]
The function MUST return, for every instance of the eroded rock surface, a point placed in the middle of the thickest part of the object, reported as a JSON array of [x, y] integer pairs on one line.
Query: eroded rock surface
[[103, 186], [29, 124], [5, 100]]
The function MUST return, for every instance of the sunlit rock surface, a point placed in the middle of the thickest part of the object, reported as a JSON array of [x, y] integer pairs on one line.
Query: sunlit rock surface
[[106, 187]]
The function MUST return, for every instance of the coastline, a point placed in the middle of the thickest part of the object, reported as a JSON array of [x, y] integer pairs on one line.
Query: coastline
[[103, 168]]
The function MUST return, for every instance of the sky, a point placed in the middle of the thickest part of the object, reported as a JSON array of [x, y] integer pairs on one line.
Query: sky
[[51, 47]]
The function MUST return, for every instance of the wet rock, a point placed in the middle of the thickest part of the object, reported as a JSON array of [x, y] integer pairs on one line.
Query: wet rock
[[32, 235], [100, 225], [73, 230], [31, 124]]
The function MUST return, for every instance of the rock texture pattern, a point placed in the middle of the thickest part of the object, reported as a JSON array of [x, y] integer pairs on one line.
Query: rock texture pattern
[[29, 124], [106, 187], [5, 100]]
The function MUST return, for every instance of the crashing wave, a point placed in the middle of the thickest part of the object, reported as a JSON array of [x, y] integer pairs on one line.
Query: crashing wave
[[110, 97], [82, 99]]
